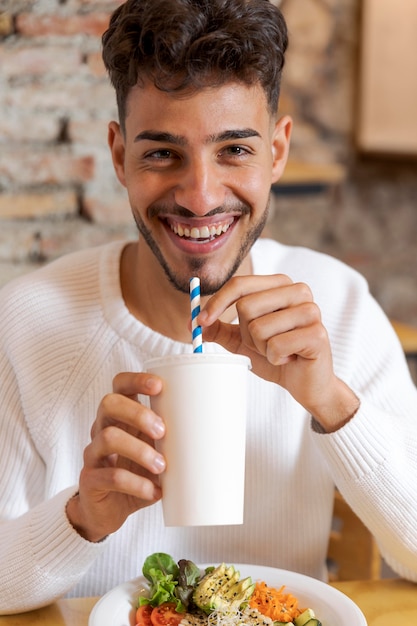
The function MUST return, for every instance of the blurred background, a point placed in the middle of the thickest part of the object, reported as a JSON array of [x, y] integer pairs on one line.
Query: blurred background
[[350, 189]]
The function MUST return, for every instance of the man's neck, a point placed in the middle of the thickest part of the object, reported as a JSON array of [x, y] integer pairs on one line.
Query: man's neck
[[153, 300]]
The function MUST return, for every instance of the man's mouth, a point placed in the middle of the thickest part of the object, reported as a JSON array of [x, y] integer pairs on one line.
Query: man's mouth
[[207, 232]]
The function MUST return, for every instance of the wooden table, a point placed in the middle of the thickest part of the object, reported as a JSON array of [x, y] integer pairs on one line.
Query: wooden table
[[383, 602]]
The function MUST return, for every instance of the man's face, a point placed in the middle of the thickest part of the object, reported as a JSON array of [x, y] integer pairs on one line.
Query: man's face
[[198, 170]]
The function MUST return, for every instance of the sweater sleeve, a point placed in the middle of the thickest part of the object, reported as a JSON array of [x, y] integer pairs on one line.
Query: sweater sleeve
[[374, 464], [41, 555], [373, 458]]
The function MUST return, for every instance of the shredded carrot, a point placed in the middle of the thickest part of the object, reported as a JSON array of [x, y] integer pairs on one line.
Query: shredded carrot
[[279, 606]]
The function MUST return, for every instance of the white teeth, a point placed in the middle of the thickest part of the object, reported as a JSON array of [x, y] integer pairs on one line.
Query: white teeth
[[205, 232]]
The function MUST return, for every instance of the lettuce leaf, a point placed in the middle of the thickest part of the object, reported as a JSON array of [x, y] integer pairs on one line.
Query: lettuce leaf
[[162, 572], [188, 577], [169, 582]]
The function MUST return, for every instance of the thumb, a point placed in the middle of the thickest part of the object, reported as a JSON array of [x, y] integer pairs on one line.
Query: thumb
[[229, 337], [226, 335]]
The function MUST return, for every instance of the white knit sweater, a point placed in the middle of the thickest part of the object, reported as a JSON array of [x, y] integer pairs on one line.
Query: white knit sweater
[[65, 333]]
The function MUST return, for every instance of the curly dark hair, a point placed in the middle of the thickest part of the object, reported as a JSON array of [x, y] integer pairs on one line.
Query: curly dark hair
[[184, 45]]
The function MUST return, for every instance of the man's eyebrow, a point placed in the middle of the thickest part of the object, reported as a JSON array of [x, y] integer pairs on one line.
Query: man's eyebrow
[[237, 133], [179, 140], [161, 137]]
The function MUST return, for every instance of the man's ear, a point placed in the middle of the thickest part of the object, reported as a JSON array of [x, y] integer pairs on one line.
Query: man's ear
[[116, 143], [280, 146]]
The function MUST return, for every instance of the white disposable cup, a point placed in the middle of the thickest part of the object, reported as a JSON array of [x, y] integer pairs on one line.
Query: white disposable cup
[[203, 403]]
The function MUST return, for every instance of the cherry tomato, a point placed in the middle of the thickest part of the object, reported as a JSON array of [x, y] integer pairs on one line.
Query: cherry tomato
[[166, 615], [143, 615]]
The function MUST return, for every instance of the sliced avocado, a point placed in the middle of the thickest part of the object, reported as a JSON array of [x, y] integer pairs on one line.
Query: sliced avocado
[[304, 617], [222, 589]]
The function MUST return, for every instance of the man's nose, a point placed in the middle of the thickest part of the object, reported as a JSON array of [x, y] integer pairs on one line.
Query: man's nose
[[200, 187]]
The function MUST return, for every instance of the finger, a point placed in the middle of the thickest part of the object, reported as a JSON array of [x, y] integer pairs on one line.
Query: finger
[[306, 342], [119, 480], [119, 409], [113, 442], [273, 311], [264, 314], [258, 304], [277, 324], [133, 383], [226, 335], [236, 289]]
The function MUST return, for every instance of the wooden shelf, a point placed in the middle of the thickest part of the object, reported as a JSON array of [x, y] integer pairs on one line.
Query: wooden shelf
[[301, 176], [299, 173]]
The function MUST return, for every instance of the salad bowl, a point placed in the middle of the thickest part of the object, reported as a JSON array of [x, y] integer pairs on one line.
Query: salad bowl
[[331, 607]]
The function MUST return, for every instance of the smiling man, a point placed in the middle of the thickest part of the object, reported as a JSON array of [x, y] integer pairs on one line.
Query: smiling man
[[199, 192], [197, 145]]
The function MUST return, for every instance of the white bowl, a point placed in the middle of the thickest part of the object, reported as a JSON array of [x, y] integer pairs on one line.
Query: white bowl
[[331, 606]]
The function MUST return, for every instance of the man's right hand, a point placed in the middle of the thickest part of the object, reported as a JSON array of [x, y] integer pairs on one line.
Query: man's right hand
[[121, 465]]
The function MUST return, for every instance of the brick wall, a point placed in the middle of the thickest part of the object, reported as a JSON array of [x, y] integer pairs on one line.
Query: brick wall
[[58, 191]]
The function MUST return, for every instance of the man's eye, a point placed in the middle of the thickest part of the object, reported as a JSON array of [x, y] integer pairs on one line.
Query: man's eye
[[160, 154], [236, 150]]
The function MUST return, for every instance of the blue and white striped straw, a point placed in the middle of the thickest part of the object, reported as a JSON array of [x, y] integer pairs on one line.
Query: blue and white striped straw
[[195, 310]]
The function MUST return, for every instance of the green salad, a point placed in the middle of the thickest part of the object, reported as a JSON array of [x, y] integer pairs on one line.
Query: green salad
[[180, 594]]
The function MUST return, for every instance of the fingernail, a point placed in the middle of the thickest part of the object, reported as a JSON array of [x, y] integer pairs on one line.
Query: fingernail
[[159, 463], [158, 427], [150, 383], [202, 317]]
